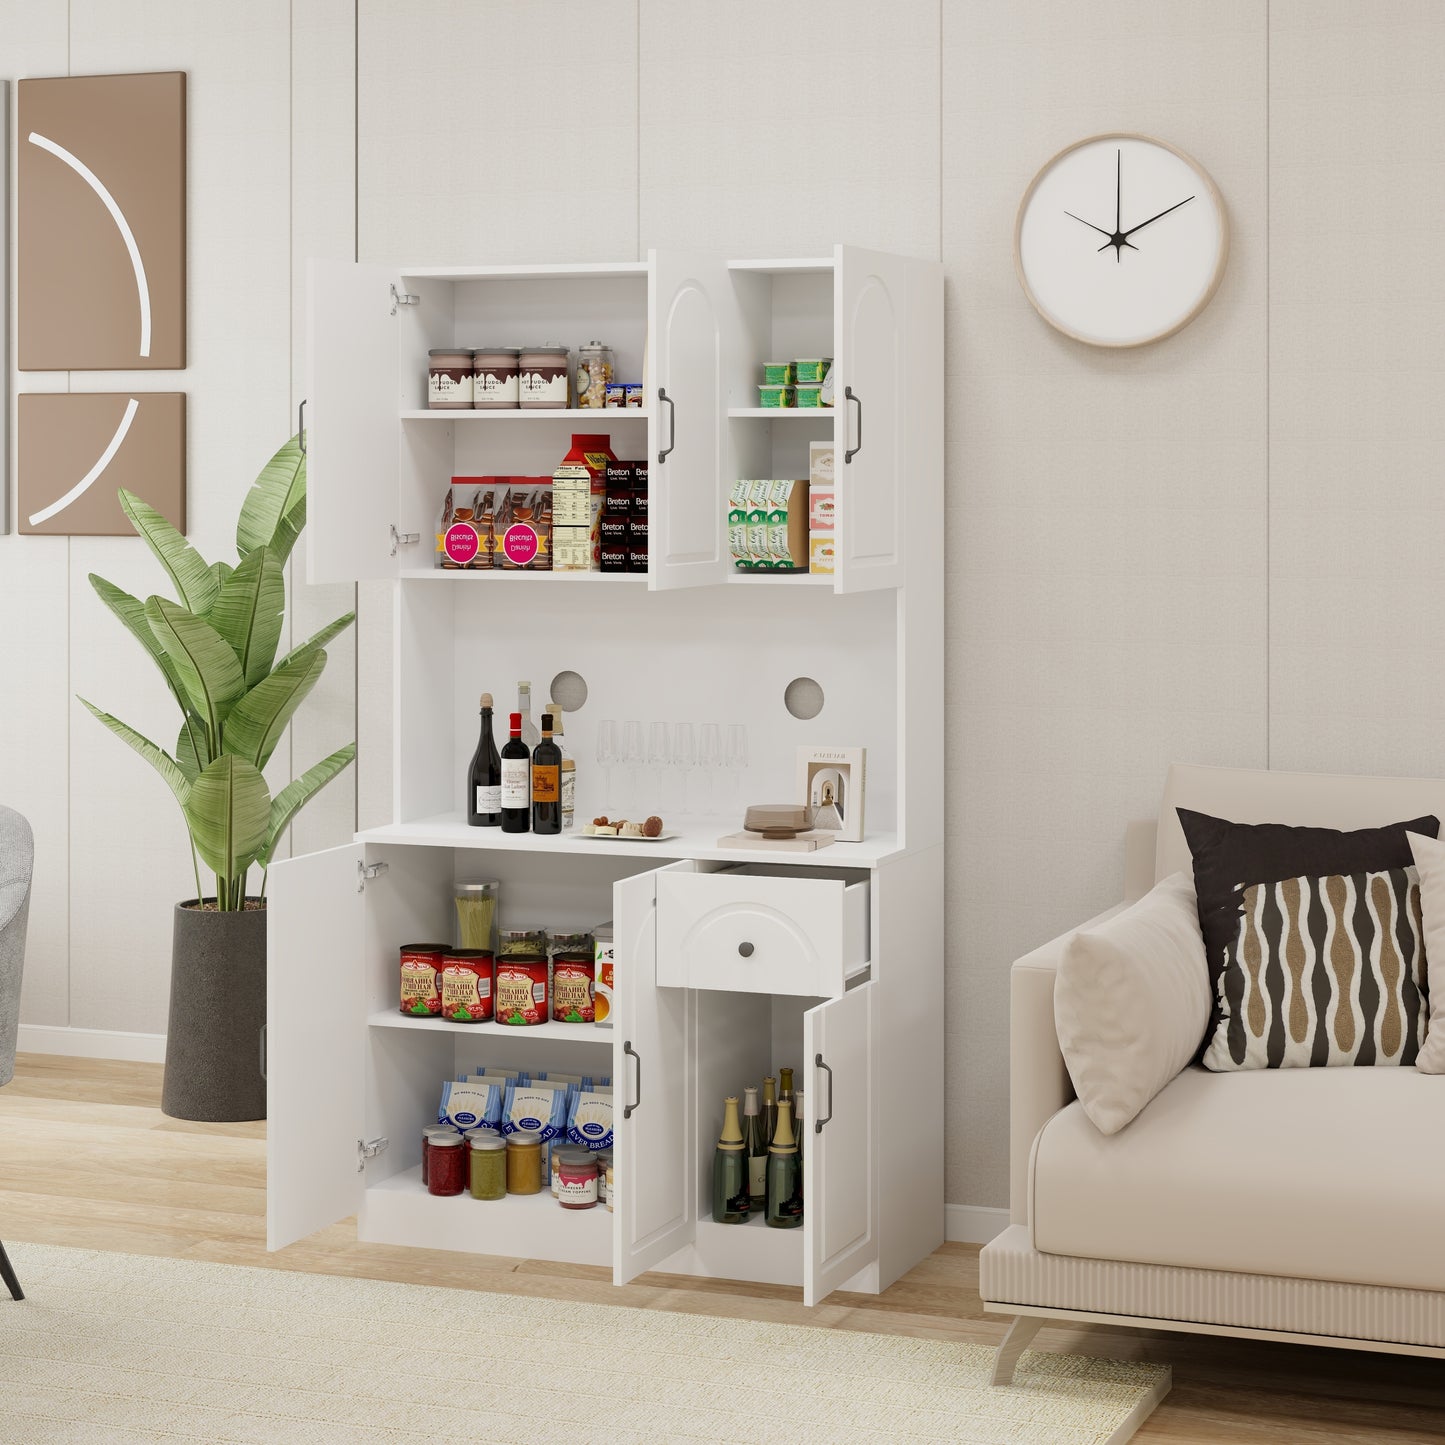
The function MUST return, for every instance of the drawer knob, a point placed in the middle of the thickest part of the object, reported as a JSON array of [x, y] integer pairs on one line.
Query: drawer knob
[[745, 949]]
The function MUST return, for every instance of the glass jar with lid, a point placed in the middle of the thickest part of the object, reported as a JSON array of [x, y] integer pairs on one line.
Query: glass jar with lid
[[594, 370], [494, 377], [488, 1164], [476, 905], [542, 376], [449, 379], [524, 1162]]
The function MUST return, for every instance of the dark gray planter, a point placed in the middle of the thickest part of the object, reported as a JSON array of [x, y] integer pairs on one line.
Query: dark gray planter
[[218, 1008]]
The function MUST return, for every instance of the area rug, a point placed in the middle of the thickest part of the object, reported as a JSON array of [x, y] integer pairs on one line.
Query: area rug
[[124, 1349]]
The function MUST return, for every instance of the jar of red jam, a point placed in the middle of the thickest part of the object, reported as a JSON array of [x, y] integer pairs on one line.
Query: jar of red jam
[[446, 1164], [522, 994], [466, 985], [421, 989], [427, 1135], [573, 987], [577, 1180]]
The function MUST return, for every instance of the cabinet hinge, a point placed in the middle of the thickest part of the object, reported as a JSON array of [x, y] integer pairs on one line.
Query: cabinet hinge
[[365, 872], [402, 298], [368, 1149], [402, 539]]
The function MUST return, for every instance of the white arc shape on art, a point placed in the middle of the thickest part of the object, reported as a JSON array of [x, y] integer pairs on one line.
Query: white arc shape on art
[[143, 290], [84, 484]]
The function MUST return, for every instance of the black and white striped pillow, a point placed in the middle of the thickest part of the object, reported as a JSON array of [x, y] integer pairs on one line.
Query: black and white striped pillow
[[1323, 971]]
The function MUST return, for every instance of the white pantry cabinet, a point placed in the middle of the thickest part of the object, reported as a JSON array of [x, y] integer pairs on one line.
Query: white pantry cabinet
[[731, 963]]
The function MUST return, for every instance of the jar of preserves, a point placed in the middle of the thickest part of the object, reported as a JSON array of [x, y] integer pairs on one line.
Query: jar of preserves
[[466, 977], [445, 1164], [524, 1162], [421, 987], [594, 370], [542, 376], [577, 1180], [487, 1155], [604, 1165], [427, 1135], [494, 378], [449, 379]]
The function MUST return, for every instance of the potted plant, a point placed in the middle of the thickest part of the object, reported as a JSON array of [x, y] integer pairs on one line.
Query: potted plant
[[216, 646]]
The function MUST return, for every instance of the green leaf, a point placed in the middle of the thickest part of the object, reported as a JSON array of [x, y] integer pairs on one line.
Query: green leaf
[[248, 612], [228, 808], [192, 753], [296, 794], [256, 723], [274, 511], [132, 614], [220, 571], [195, 583], [210, 677], [318, 640], [161, 761]]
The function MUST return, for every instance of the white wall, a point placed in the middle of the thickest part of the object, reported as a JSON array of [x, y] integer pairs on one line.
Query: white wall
[[1217, 549]]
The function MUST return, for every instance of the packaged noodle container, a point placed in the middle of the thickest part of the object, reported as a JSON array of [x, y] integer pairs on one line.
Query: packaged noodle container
[[772, 395], [522, 994], [542, 376], [421, 989], [494, 378], [449, 379], [809, 394], [467, 985], [780, 373], [812, 369]]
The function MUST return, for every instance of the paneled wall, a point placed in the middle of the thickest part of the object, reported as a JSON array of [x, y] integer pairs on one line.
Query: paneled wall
[[1216, 549]]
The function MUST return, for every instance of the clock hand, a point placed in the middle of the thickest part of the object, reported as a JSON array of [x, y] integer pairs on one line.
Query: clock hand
[[1118, 249], [1089, 224], [1118, 188], [1152, 219]]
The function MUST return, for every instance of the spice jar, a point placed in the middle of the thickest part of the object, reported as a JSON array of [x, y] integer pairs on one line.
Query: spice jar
[[594, 371], [494, 378], [525, 941], [542, 376], [445, 1164], [487, 1154], [449, 379], [427, 1135], [578, 1180], [467, 986], [421, 989], [476, 905], [524, 1162]]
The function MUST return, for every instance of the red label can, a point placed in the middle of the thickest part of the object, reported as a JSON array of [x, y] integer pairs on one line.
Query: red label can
[[522, 994], [573, 989], [466, 984], [421, 988]]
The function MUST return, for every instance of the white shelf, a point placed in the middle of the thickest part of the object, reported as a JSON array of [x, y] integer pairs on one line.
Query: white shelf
[[572, 1033], [778, 413], [576, 271], [521, 1226], [780, 579], [519, 575], [808, 265], [697, 838], [533, 413]]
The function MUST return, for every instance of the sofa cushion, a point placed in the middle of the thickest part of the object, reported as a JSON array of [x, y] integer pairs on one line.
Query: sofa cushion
[[1430, 860], [1310, 1173]]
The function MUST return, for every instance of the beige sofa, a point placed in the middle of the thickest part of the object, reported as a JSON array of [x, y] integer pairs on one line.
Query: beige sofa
[[1294, 1204]]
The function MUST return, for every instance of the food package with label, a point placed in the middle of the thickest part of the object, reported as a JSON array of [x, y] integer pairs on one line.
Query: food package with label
[[579, 488], [466, 532], [605, 955], [524, 525], [767, 523]]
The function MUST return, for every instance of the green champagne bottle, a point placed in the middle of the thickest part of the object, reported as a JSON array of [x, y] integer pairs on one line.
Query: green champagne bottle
[[785, 1201], [730, 1199], [757, 1143], [770, 1108]]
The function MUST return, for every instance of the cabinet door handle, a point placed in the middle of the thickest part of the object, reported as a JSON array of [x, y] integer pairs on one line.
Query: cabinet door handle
[[301, 425], [818, 1124], [671, 424], [745, 949], [637, 1096], [857, 401]]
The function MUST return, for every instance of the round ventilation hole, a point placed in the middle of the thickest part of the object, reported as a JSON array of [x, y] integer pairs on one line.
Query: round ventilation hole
[[803, 698], [569, 691]]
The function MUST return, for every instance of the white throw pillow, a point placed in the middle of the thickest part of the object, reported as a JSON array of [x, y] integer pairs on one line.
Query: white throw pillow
[[1430, 864], [1131, 1002]]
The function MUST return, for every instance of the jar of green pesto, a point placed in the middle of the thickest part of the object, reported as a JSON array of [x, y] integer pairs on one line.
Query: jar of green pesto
[[489, 1166]]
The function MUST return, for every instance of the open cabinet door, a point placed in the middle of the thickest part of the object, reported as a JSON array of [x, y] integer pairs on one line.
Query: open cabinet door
[[315, 1043], [692, 325], [840, 1213], [874, 364], [653, 1091], [352, 421]]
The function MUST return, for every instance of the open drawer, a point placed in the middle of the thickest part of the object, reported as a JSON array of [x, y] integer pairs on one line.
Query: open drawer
[[757, 928]]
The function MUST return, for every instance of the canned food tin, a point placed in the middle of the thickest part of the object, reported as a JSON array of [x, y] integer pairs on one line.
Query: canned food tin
[[572, 988], [466, 981], [522, 993], [421, 987]]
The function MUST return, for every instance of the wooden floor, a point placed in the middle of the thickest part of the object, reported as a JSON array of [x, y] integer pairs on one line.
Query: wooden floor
[[87, 1159]]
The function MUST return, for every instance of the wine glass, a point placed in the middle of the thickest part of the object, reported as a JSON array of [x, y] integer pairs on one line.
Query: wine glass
[[659, 759], [684, 757], [736, 760], [634, 755], [709, 760], [607, 755]]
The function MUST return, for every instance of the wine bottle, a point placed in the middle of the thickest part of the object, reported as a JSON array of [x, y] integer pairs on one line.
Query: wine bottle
[[530, 735], [546, 782], [785, 1202], [770, 1108], [785, 1086], [484, 779], [757, 1144], [730, 1198], [800, 1133], [516, 763], [569, 770]]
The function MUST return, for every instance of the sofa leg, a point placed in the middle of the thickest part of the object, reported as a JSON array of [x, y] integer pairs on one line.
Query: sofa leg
[[8, 1277], [1020, 1336]]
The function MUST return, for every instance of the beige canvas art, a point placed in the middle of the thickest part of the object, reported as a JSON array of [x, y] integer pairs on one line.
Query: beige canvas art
[[101, 224], [76, 449]]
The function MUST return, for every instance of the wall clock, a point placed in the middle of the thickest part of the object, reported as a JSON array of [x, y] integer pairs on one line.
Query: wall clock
[[1121, 240]]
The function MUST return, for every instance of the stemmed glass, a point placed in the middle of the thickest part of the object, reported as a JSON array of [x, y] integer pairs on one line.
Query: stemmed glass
[[684, 758], [607, 755], [709, 760], [633, 757], [736, 759], [659, 759]]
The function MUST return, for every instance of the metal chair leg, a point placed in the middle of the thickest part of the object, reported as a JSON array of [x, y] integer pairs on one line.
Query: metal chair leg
[[7, 1274]]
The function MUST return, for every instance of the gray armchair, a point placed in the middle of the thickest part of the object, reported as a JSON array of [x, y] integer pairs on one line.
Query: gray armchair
[[17, 864]]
